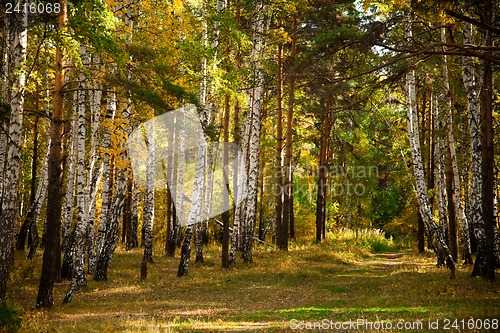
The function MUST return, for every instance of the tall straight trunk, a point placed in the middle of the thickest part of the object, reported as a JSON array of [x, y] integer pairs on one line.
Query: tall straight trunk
[[261, 231], [325, 127], [106, 175], [225, 215], [52, 254], [281, 225], [135, 215], [36, 206], [149, 201], [10, 207], [194, 211], [472, 86], [486, 265], [439, 170], [435, 233], [69, 197], [452, 221], [236, 232], [6, 84], [454, 174], [168, 197], [173, 226], [288, 215], [25, 227], [95, 171], [253, 136], [198, 241], [421, 226], [117, 202], [78, 278]]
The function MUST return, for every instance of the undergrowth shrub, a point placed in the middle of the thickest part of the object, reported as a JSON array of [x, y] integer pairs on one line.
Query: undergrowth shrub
[[10, 318], [374, 240]]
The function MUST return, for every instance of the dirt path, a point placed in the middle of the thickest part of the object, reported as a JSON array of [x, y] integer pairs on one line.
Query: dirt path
[[383, 261]]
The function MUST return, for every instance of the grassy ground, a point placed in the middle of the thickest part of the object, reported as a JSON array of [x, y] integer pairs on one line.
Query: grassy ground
[[337, 281]]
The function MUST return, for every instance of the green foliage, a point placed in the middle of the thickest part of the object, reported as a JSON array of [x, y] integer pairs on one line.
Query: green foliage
[[10, 317]]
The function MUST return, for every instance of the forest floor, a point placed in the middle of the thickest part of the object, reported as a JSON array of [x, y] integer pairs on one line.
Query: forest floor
[[323, 286]]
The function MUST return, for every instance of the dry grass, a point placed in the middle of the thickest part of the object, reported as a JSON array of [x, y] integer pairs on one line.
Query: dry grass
[[336, 281]]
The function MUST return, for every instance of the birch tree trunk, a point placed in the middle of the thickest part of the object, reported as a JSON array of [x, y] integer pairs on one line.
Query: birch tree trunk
[[194, 211], [253, 135], [106, 174], [36, 206], [117, 202], [10, 207], [149, 201], [472, 86], [6, 83], [69, 198], [435, 233], [178, 164], [440, 174], [95, 173], [78, 255], [457, 201]]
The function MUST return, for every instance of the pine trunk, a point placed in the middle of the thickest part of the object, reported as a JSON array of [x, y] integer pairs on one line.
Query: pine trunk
[[52, 254], [288, 215], [281, 225], [490, 258]]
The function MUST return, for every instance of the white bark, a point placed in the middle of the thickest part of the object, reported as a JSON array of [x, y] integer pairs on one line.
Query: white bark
[[5, 99], [105, 192], [253, 130], [69, 198], [78, 274], [457, 200], [95, 173], [9, 203], [435, 233], [472, 86], [439, 170], [149, 200]]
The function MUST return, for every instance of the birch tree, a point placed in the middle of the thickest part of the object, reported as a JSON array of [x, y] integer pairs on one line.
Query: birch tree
[[472, 83], [457, 190], [434, 232], [252, 134], [10, 208], [78, 256], [149, 200]]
